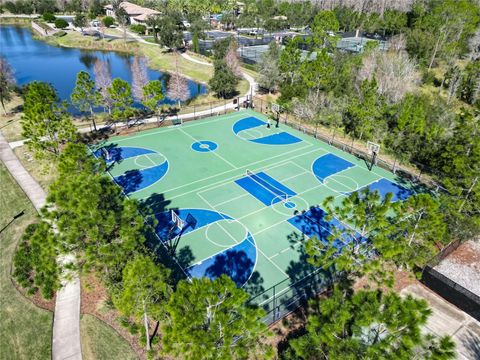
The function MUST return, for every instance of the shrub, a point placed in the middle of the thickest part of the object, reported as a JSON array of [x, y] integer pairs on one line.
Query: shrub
[[60, 34], [61, 24], [48, 17], [108, 21], [138, 28]]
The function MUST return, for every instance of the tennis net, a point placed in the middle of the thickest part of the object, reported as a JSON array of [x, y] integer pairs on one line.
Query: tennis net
[[282, 195]]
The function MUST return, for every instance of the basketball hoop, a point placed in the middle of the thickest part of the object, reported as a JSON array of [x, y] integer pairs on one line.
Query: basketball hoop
[[276, 108]]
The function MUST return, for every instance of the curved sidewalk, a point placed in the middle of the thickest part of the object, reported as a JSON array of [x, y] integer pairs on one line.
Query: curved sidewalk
[[66, 321]]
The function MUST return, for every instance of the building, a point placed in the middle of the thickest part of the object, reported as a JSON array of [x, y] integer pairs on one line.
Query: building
[[137, 14]]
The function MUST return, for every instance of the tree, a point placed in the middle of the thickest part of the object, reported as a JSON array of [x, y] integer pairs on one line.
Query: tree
[[152, 95], [231, 59], [80, 21], [363, 118], [85, 96], [121, 16], [419, 226], [349, 248], [139, 76], [368, 325], [103, 81], [120, 94], [7, 82], [394, 72], [35, 260], [144, 291], [209, 317], [108, 21], [80, 196], [177, 88], [95, 9], [324, 24], [268, 68], [45, 123], [224, 82], [61, 24], [169, 32]]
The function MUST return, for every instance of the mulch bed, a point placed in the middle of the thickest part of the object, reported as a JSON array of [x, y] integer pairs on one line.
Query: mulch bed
[[93, 302]]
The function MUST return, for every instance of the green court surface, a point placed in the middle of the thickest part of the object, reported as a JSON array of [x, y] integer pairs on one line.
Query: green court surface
[[248, 226]]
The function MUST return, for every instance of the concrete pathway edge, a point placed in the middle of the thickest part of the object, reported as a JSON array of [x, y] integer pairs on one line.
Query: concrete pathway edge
[[66, 322]]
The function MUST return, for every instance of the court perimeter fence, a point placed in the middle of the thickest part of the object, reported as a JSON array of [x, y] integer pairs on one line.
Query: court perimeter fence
[[291, 120], [284, 298]]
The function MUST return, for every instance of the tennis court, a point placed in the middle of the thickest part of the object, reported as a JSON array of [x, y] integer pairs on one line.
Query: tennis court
[[244, 196]]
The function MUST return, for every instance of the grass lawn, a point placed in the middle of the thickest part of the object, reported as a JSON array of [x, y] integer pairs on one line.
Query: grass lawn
[[25, 330], [100, 341], [159, 59], [10, 123]]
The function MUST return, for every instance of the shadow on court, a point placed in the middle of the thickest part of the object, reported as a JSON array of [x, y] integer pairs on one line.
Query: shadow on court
[[130, 181], [154, 204], [236, 264]]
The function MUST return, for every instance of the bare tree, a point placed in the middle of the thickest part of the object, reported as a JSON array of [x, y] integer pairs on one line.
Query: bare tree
[[177, 88], [474, 45], [398, 43], [232, 60], [395, 72], [7, 82], [121, 16], [139, 76], [453, 84], [103, 80]]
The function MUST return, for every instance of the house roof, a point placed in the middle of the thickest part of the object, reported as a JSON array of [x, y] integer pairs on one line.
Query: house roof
[[135, 11]]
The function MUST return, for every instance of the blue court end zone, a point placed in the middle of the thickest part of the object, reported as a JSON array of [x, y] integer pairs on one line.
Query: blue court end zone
[[265, 188], [280, 138], [384, 186], [329, 164], [313, 223]]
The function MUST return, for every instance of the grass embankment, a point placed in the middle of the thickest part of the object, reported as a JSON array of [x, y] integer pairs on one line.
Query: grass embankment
[[15, 21], [159, 59], [100, 341], [25, 330], [10, 123]]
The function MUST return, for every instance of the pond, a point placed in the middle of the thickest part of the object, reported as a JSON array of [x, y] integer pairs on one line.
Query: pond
[[36, 60]]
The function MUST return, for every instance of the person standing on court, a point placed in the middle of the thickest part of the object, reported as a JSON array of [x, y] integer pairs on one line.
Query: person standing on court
[[268, 123]]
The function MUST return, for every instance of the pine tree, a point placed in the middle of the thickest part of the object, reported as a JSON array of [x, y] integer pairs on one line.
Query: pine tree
[[85, 96], [45, 123], [35, 260], [209, 317], [152, 95], [144, 291], [120, 94], [368, 325]]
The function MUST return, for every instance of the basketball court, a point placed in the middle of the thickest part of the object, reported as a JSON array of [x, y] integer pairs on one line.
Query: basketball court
[[237, 197]]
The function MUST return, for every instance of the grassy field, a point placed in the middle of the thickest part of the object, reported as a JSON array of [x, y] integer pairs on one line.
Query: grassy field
[[25, 330], [100, 341], [159, 59], [10, 123]]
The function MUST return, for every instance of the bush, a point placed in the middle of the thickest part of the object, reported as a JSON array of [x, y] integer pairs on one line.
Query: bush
[[48, 17], [60, 34], [61, 24], [138, 28], [108, 21]]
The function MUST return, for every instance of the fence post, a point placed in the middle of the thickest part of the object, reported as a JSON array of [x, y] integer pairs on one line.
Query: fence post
[[274, 305], [211, 111], [194, 115]]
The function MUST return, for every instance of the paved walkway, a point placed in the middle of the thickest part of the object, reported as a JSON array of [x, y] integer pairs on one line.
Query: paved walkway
[[66, 321], [446, 319]]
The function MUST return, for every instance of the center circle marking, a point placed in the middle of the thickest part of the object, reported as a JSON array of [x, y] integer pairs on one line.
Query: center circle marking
[[204, 146]]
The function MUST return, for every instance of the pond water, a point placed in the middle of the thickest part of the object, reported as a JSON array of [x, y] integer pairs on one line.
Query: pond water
[[36, 60]]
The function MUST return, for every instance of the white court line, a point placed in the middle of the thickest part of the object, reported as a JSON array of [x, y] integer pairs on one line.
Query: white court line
[[222, 182], [148, 157], [213, 152], [258, 249], [241, 167]]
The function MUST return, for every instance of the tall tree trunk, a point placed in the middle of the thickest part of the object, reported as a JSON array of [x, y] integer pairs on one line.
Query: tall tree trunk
[[145, 323]]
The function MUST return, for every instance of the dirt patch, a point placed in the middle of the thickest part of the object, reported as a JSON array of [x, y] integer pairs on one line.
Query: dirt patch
[[467, 253]]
